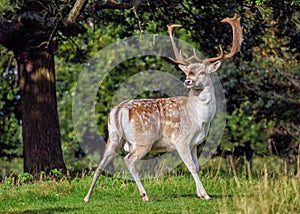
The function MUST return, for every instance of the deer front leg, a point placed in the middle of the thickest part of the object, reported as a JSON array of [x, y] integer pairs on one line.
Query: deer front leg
[[186, 156]]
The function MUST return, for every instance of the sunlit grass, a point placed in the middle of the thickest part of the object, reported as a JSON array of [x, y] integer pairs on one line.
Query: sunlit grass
[[259, 193], [270, 195]]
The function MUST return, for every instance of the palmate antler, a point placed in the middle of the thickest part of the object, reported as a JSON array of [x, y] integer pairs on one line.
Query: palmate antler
[[237, 39]]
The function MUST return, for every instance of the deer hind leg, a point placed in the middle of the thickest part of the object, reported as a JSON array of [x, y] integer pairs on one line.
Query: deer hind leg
[[186, 156], [113, 144], [136, 153], [195, 158]]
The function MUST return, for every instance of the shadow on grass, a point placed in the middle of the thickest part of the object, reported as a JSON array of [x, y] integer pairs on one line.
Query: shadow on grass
[[194, 196], [43, 210]]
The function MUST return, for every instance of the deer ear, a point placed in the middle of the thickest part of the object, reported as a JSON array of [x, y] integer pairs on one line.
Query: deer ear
[[183, 68], [213, 66]]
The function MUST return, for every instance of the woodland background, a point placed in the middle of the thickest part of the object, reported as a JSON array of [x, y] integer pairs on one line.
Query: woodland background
[[261, 84]]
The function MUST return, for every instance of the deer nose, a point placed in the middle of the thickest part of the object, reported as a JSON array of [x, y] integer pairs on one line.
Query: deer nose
[[188, 82]]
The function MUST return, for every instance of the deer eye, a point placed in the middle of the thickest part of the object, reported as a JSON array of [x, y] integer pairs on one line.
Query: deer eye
[[202, 73], [191, 73]]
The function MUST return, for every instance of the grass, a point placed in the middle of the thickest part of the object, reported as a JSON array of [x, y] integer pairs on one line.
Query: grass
[[168, 194], [269, 189]]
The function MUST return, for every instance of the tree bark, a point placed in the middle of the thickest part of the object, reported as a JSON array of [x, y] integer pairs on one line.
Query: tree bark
[[40, 124], [30, 36]]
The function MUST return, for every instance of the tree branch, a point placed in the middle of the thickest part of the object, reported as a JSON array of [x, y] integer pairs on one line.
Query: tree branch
[[98, 5], [113, 4], [74, 13]]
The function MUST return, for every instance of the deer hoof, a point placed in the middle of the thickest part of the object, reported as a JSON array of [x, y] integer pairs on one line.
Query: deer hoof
[[206, 197], [145, 197], [86, 199]]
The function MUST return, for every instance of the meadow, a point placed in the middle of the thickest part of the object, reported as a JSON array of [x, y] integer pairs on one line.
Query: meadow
[[231, 192]]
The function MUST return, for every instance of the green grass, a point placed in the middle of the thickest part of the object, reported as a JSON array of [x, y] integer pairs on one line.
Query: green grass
[[168, 194]]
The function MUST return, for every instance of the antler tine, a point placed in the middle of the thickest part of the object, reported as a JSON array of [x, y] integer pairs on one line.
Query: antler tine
[[213, 59], [196, 57], [179, 58], [191, 57], [237, 39]]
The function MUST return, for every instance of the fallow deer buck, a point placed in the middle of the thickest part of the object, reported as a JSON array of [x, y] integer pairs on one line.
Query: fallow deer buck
[[168, 124]]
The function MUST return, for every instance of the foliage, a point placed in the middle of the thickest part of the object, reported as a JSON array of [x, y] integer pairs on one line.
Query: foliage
[[253, 139], [56, 173], [272, 85], [10, 131], [6, 6], [25, 177]]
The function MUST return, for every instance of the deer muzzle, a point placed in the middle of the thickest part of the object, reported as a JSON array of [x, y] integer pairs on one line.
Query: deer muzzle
[[189, 83]]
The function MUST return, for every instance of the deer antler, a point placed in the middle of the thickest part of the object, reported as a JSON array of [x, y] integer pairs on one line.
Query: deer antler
[[237, 40], [179, 58]]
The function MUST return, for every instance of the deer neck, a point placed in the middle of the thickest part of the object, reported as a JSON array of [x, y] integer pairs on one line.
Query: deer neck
[[203, 96], [202, 104]]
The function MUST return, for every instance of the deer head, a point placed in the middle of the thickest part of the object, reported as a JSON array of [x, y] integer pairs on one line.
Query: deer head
[[197, 74]]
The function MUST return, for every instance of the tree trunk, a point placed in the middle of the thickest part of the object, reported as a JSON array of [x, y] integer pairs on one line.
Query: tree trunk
[[30, 35], [40, 124]]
